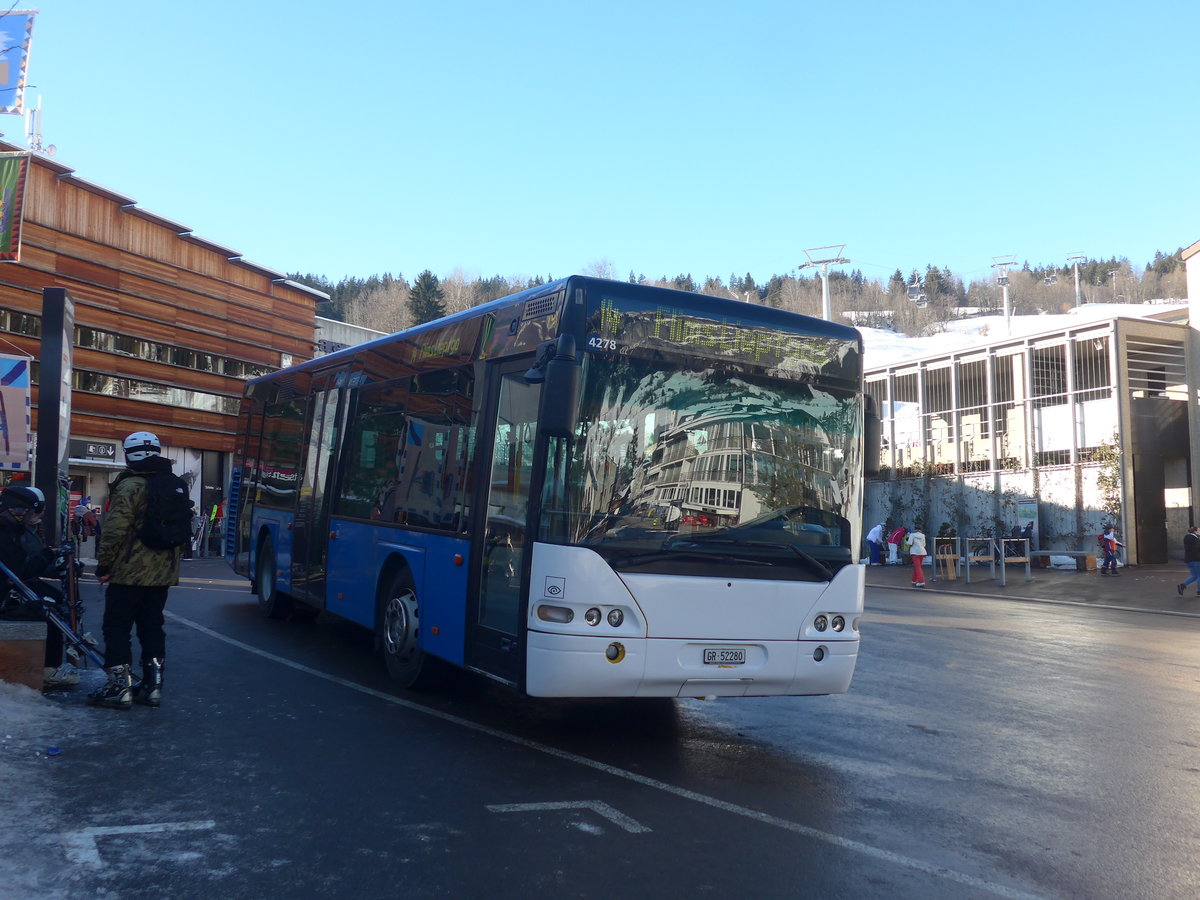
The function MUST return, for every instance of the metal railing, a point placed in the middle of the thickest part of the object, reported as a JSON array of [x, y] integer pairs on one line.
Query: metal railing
[[953, 556], [1006, 551]]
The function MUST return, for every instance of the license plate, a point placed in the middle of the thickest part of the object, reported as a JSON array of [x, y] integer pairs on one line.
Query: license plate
[[724, 656]]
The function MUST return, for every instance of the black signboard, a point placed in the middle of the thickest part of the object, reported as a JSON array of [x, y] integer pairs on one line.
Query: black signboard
[[54, 409], [102, 450]]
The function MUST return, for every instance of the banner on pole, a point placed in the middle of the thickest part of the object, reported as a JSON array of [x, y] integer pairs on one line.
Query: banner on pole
[[16, 30], [14, 168], [14, 413]]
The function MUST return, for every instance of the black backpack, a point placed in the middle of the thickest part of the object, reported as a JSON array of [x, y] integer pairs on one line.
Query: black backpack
[[168, 522]]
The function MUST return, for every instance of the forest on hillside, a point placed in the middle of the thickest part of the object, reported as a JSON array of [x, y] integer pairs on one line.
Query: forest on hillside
[[908, 302]]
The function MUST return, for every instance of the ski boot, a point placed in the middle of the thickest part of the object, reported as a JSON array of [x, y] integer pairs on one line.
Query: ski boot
[[149, 689], [117, 691], [56, 678]]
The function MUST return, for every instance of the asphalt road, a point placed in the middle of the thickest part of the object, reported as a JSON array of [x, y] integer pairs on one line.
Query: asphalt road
[[987, 748]]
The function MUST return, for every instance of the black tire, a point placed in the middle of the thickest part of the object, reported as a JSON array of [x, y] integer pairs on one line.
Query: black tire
[[399, 637], [271, 603]]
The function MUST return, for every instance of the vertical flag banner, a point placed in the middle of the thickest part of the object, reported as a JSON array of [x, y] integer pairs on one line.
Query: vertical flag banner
[[14, 168], [14, 413], [16, 30]]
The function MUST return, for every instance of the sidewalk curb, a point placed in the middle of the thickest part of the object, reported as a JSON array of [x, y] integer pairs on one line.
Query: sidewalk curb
[[1048, 600]]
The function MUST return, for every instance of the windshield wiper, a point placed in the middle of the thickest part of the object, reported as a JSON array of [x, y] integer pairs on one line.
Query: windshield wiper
[[811, 562], [637, 559]]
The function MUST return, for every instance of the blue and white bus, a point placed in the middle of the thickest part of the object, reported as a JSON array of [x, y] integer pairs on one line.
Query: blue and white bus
[[587, 489]]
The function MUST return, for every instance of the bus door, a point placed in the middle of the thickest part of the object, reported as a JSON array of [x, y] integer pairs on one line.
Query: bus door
[[244, 484], [497, 562], [310, 536]]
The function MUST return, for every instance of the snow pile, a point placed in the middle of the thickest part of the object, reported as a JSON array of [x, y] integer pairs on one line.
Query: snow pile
[[32, 728], [29, 724]]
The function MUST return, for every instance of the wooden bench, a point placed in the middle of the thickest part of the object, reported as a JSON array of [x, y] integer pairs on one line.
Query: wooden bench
[[1013, 546], [1085, 560]]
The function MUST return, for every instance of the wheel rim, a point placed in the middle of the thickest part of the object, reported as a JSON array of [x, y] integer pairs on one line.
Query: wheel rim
[[400, 626]]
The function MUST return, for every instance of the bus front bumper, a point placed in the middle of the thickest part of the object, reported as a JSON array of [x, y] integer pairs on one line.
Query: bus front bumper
[[560, 665]]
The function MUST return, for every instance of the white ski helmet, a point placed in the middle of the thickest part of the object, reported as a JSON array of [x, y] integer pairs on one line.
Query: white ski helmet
[[140, 445]]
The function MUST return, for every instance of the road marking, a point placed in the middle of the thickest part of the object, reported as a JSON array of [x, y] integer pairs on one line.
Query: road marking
[[878, 853], [597, 806], [81, 845]]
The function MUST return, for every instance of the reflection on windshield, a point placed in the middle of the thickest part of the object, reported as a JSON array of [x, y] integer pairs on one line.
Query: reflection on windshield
[[709, 460]]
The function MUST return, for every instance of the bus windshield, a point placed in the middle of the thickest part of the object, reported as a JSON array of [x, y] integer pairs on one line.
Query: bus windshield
[[707, 467]]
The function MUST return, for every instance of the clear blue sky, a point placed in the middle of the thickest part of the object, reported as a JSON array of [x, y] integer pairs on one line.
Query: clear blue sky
[[529, 138]]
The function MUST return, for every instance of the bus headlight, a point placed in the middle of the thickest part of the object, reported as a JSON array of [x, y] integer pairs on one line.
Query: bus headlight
[[615, 618], [560, 615], [592, 616], [838, 623], [820, 623]]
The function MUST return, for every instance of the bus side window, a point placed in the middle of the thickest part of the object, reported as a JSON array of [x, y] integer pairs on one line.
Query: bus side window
[[283, 426], [374, 440], [438, 449], [420, 461]]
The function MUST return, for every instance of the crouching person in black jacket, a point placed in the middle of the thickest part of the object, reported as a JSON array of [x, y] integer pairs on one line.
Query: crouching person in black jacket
[[24, 552]]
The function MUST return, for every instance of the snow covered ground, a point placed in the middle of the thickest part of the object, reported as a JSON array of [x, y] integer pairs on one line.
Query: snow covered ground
[[32, 728]]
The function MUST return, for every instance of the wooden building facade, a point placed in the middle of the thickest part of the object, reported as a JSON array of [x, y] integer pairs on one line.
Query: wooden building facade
[[168, 326]]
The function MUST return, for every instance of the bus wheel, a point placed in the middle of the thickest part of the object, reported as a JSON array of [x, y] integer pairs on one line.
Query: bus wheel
[[407, 664], [271, 602]]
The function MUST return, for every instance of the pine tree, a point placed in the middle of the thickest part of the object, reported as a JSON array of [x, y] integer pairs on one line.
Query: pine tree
[[775, 291], [425, 299], [493, 288], [934, 285], [684, 283]]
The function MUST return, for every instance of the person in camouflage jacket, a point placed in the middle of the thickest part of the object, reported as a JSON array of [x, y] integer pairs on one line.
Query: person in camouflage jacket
[[137, 580]]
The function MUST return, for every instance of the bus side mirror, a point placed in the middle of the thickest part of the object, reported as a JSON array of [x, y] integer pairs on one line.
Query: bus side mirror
[[872, 437], [560, 391]]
